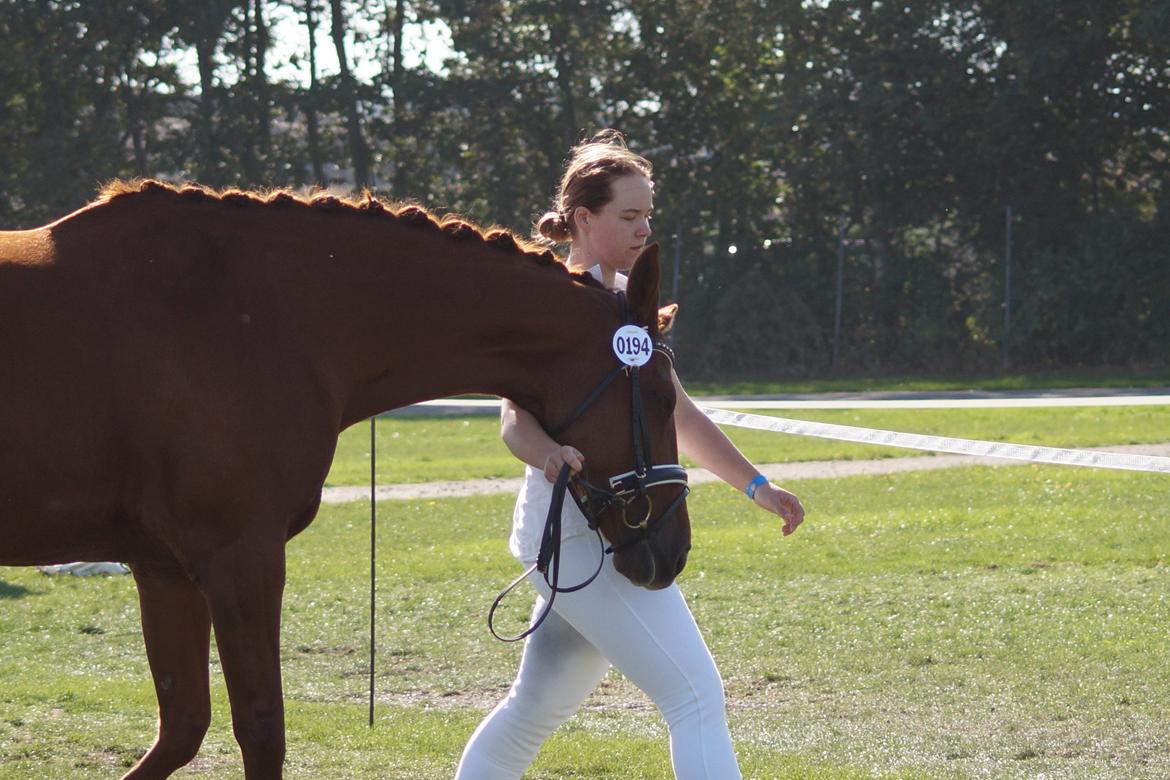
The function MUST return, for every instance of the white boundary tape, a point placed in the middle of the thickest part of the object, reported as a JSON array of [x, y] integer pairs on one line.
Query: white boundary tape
[[1003, 402], [997, 402], [916, 441]]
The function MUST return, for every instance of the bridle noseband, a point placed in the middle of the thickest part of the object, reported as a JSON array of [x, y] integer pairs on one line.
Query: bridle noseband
[[625, 490]]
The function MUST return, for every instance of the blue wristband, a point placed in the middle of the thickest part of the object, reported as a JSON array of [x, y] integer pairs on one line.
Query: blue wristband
[[760, 479]]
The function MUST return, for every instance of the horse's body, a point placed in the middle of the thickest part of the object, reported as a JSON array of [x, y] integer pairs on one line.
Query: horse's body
[[175, 367]]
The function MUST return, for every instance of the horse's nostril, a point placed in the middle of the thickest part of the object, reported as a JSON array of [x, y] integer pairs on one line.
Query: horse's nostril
[[680, 564]]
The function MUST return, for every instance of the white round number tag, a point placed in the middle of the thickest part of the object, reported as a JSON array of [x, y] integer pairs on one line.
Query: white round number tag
[[632, 345]]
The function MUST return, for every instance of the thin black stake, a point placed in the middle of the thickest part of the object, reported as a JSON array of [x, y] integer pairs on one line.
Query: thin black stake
[[373, 553]]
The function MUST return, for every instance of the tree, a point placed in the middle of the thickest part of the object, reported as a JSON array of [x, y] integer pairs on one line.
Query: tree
[[768, 124], [348, 96], [311, 98]]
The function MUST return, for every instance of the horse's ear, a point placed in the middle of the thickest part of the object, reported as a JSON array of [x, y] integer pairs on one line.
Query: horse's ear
[[666, 317], [642, 288]]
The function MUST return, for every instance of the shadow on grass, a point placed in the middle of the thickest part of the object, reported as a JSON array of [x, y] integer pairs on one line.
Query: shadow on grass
[[10, 591]]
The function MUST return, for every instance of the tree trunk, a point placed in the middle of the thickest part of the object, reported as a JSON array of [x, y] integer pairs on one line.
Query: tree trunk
[[136, 126], [246, 92], [562, 43], [201, 25], [396, 87], [207, 165], [263, 91], [310, 108], [398, 22], [358, 150]]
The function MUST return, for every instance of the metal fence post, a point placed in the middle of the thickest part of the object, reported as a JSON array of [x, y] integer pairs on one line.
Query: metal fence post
[[1007, 283], [840, 287]]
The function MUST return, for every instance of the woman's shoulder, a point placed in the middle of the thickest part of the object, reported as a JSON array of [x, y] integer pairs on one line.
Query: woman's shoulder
[[620, 280]]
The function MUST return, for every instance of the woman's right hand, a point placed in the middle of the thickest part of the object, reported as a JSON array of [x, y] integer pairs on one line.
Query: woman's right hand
[[558, 458]]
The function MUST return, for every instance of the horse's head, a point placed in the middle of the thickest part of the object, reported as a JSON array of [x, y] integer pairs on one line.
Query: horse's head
[[627, 432]]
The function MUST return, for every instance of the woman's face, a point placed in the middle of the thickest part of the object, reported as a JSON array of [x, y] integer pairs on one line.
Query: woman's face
[[616, 234]]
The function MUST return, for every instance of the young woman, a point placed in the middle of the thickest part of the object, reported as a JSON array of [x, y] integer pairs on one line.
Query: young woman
[[603, 213]]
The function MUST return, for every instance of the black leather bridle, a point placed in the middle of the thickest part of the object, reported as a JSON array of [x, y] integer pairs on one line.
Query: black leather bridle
[[626, 491]]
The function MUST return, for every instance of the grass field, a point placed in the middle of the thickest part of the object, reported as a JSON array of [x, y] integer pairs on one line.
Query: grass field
[[422, 449], [973, 623], [1103, 377]]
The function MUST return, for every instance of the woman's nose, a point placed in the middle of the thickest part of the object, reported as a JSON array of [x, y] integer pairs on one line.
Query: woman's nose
[[644, 228]]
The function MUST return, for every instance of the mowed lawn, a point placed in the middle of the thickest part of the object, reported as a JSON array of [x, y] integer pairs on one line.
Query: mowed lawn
[[977, 622], [423, 449]]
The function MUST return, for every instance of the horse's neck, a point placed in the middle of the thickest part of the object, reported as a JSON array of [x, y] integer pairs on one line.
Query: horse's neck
[[429, 316], [378, 312]]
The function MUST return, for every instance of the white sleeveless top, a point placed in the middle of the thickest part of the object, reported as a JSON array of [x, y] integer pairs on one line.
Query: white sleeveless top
[[536, 493]]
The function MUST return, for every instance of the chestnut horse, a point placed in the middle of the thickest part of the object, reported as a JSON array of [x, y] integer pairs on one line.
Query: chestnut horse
[[176, 365]]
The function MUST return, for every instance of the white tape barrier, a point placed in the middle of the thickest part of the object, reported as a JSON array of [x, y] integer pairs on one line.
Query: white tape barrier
[[998, 402], [917, 441], [950, 402]]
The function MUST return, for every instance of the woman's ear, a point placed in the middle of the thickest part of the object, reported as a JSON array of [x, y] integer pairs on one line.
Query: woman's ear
[[642, 288], [581, 216]]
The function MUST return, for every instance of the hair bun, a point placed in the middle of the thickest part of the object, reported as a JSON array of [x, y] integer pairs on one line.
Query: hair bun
[[553, 227], [609, 137]]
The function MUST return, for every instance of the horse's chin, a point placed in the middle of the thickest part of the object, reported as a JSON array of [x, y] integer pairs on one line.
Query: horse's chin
[[642, 565]]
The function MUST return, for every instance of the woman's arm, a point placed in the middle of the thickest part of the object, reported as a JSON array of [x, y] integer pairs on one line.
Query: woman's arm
[[708, 446], [528, 441]]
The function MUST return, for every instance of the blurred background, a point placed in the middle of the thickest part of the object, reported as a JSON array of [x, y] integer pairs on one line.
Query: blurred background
[[843, 188]]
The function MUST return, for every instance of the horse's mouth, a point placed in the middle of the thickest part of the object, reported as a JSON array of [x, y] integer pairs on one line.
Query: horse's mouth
[[644, 568]]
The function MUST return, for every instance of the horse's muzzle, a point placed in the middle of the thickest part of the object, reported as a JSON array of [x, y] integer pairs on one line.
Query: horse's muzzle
[[648, 568]]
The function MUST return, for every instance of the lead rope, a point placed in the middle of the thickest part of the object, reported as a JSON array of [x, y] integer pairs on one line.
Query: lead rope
[[549, 556], [637, 422]]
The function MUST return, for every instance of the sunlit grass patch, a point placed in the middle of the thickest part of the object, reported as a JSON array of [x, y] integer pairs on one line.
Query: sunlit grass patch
[[972, 623]]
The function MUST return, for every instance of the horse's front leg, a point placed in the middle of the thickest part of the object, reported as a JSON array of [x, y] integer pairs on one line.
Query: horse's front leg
[[177, 630], [244, 587]]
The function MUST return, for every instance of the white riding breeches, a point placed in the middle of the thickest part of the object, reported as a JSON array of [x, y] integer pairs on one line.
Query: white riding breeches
[[649, 636]]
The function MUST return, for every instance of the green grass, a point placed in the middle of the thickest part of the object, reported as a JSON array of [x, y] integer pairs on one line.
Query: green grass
[[1006, 623], [421, 449], [1102, 377]]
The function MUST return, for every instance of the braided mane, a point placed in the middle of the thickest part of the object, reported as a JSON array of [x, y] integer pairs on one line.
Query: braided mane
[[367, 204]]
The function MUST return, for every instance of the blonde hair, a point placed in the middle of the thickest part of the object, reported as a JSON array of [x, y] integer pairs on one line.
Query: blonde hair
[[592, 167]]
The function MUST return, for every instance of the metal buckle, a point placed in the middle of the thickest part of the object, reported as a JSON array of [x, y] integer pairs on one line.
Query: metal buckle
[[645, 520]]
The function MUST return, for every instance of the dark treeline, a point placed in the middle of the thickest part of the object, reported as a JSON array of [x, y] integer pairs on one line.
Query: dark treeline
[[790, 138]]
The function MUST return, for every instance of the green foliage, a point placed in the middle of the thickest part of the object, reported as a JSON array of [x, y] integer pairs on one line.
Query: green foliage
[[1026, 382], [773, 125]]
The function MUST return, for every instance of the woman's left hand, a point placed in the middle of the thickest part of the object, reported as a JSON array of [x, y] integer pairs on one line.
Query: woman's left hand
[[780, 502]]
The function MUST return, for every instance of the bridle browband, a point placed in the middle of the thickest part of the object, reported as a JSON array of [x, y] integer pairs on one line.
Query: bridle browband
[[625, 490]]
